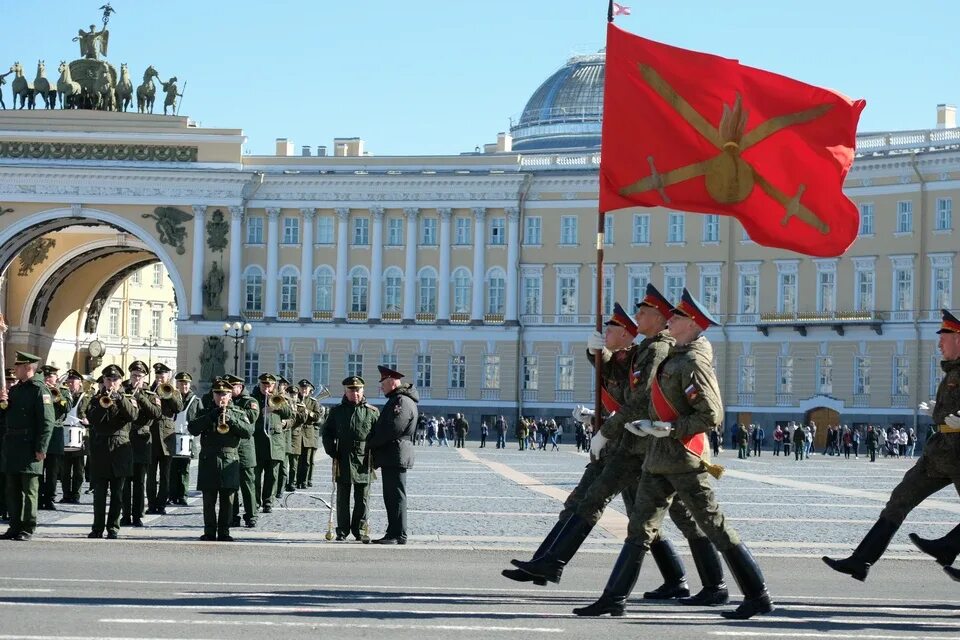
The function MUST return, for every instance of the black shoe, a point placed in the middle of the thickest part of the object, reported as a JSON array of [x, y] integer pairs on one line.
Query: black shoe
[[226, 537], [65, 500], [137, 523], [250, 524], [750, 580], [112, 535], [309, 484], [518, 575], [545, 545], [9, 534], [151, 510], [671, 567], [710, 569], [613, 600], [235, 522], [125, 521], [944, 550], [181, 502], [208, 538], [550, 566], [95, 534], [341, 537], [953, 572], [289, 488], [867, 552], [160, 511], [386, 540], [23, 536], [267, 509], [707, 597]]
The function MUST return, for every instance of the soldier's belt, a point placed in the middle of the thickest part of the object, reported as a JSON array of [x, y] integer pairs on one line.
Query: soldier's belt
[[943, 428]]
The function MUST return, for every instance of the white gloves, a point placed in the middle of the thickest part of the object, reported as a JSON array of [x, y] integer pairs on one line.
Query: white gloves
[[660, 429], [595, 342], [952, 420], [597, 442], [583, 415], [639, 428], [926, 408]]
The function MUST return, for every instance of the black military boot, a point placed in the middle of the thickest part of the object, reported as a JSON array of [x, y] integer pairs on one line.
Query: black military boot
[[619, 584], [550, 566], [750, 580], [867, 552], [542, 549], [671, 568], [953, 572], [710, 569], [944, 550]]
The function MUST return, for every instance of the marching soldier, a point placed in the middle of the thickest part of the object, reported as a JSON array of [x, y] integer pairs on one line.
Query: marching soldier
[[71, 476], [53, 463], [316, 415], [221, 428], [148, 411], [30, 420], [248, 457], [282, 384], [163, 436], [269, 438], [111, 415], [344, 439], [391, 444], [10, 380], [295, 445], [180, 466], [937, 467]]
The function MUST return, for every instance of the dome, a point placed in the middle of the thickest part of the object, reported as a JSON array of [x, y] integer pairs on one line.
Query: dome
[[566, 110]]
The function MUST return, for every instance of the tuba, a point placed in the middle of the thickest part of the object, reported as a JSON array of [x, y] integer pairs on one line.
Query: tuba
[[322, 392], [57, 396], [275, 401]]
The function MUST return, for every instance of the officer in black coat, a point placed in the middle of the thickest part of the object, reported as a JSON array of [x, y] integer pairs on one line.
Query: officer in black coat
[[391, 444]]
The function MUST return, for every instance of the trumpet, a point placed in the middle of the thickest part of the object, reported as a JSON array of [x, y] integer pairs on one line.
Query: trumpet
[[222, 426], [165, 391], [105, 401], [275, 401]]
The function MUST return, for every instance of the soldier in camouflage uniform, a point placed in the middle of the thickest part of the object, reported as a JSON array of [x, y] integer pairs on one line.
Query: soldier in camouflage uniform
[[270, 439], [53, 463], [149, 410], [71, 475], [30, 420], [685, 402], [316, 415], [937, 467]]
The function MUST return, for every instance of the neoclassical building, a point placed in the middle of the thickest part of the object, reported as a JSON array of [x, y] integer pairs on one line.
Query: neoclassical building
[[474, 273]]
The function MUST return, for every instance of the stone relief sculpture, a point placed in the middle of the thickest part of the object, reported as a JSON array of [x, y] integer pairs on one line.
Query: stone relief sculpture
[[170, 226], [212, 287], [212, 359], [217, 229], [34, 254]]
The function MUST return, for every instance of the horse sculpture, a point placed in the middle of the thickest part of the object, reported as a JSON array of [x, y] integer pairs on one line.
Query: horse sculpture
[[68, 90], [103, 92], [124, 89], [41, 87], [147, 92], [21, 88]]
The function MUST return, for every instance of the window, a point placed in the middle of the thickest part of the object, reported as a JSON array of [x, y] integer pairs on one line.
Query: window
[[158, 275], [355, 364], [285, 365], [609, 292], [498, 231], [361, 232], [748, 374], [785, 374], [392, 290], [320, 369], [359, 285], [394, 232], [424, 371], [136, 277], [638, 283], [289, 289], [531, 373], [941, 290], [114, 321], [251, 367], [641, 228], [904, 216], [675, 230], [787, 300], [749, 288], [936, 374], [861, 375], [568, 230], [496, 292], [901, 375], [255, 230], [567, 286], [427, 291], [863, 295], [428, 232], [134, 328], [673, 283], [827, 290], [458, 372], [565, 380], [710, 290], [711, 228], [291, 231], [944, 214], [866, 219], [608, 230], [463, 231], [324, 229], [155, 316], [491, 372], [323, 300], [903, 288], [531, 230], [462, 291], [253, 299], [825, 374], [532, 293], [389, 360]]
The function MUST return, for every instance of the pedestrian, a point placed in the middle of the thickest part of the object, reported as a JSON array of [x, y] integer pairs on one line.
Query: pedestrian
[[461, 427], [522, 434], [788, 439], [743, 442], [856, 442], [441, 432], [715, 435], [911, 443], [71, 477], [500, 425], [777, 439], [799, 442], [483, 434], [873, 441], [758, 437], [847, 442]]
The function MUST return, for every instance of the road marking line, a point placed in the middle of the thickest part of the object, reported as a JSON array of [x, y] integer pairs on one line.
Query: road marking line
[[821, 634], [334, 625]]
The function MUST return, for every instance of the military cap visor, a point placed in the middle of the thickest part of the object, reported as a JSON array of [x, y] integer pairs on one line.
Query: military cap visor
[[183, 376], [353, 382], [73, 374], [387, 372], [305, 383], [113, 371], [283, 380], [232, 379], [159, 367], [621, 318], [138, 366], [222, 386], [266, 377], [49, 370], [949, 322], [690, 307], [654, 299], [23, 357]]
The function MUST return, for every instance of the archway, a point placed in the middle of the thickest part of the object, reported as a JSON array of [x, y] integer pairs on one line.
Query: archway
[[822, 417]]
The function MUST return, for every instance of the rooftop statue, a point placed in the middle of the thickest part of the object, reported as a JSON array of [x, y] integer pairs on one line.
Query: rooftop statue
[[93, 44]]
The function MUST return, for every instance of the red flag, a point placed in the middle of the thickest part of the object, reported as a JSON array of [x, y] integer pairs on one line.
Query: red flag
[[695, 132]]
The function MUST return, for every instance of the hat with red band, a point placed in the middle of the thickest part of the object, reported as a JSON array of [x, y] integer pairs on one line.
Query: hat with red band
[[949, 323], [621, 318], [691, 308], [654, 299]]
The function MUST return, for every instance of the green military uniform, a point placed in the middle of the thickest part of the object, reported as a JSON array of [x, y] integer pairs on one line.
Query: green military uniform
[[297, 424], [248, 463], [53, 463], [30, 421], [271, 445], [180, 465], [111, 455], [218, 474], [71, 476], [345, 434], [141, 432], [163, 437], [316, 416], [10, 380]]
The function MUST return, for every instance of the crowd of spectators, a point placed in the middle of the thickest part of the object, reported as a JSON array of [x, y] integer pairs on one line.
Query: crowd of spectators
[[751, 439]]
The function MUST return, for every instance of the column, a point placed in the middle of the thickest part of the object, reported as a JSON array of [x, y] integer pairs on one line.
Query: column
[[340, 294], [234, 286], [376, 266], [306, 265], [479, 263], [196, 282], [273, 257], [443, 298], [513, 259], [410, 266]]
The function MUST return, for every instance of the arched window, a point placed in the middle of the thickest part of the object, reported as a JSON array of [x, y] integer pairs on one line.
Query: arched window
[[496, 291], [427, 291], [324, 278], [253, 289], [392, 290], [461, 291], [289, 289], [359, 288]]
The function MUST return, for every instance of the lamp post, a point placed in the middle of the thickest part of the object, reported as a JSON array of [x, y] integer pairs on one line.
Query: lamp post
[[150, 343], [239, 333]]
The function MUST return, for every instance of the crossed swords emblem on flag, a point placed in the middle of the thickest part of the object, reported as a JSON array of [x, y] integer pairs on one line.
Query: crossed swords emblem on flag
[[729, 178]]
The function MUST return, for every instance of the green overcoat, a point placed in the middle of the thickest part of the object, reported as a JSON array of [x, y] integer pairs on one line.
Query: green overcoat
[[269, 433], [345, 435], [111, 450], [30, 421], [219, 466], [248, 448]]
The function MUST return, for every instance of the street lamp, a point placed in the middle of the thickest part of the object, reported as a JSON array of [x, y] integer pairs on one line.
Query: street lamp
[[150, 343], [239, 333]]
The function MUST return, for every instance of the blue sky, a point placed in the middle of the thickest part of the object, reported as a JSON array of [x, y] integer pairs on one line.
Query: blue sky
[[432, 76]]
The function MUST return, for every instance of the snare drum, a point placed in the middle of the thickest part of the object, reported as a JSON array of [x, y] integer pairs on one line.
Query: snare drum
[[183, 449], [73, 438]]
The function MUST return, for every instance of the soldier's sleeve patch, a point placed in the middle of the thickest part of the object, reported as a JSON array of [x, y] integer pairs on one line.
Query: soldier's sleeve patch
[[692, 392], [253, 405], [47, 398]]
